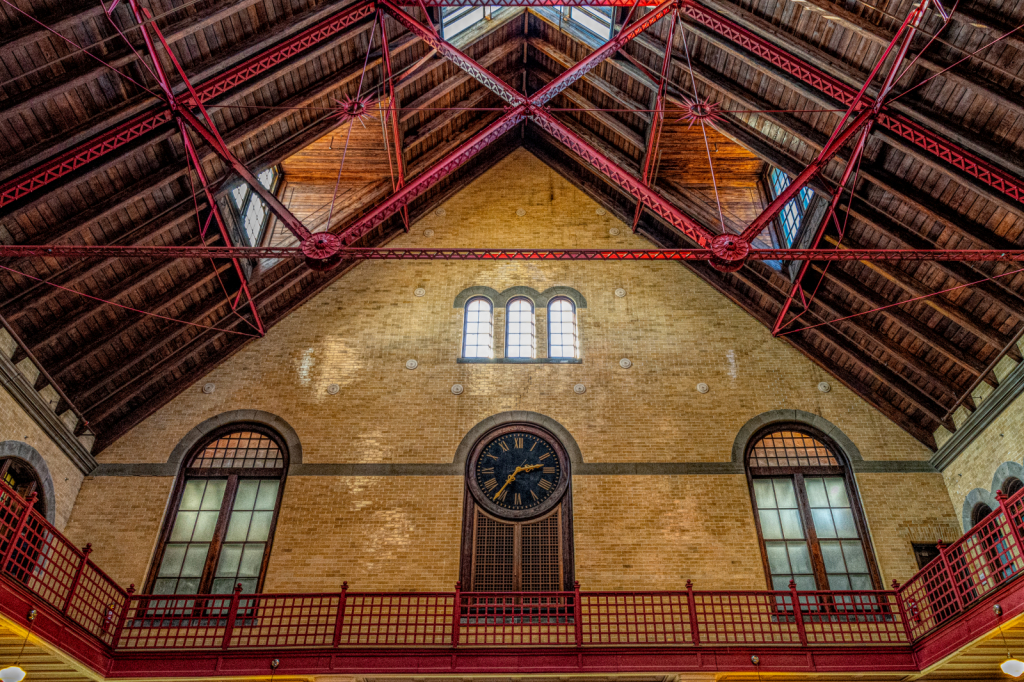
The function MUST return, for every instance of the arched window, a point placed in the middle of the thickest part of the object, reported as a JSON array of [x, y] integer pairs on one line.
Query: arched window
[[520, 329], [563, 342], [809, 519], [225, 509], [978, 514], [517, 524], [478, 335], [20, 475], [1012, 486]]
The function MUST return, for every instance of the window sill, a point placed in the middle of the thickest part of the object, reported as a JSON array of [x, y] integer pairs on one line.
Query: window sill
[[519, 361]]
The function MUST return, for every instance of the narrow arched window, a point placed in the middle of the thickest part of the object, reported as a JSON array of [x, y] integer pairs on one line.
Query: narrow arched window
[[1012, 485], [563, 341], [520, 329], [809, 520], [978, 514], [225, 509], [20, 475], [478, 335]]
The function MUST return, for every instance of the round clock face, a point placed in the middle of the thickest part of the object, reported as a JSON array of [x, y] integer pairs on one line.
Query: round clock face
[[517, 473]]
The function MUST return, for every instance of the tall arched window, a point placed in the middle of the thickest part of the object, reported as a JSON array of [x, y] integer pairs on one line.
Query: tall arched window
[[225, 509], [978, 514], [20, 475], [1012, 485], [478, 335], [563, 342], [809, 519], [520, 329]]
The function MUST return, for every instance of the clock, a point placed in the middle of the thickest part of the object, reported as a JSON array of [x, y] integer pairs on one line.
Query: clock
[[518, 471]]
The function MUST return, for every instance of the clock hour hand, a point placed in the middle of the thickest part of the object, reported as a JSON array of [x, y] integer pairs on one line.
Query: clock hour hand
[[512, 476]]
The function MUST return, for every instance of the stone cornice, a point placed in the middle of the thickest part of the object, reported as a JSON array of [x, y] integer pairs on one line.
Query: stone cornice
[[41, 412], [990, 408]]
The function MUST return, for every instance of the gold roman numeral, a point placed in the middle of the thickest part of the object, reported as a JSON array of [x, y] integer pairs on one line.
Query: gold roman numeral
[[501, 444], [487, 470], [533, 446], [492, 457], [534, 495], [545, 483], [500, 497], [519, 500], [543, 457], [517, 443], [545, 470], [490, 484]]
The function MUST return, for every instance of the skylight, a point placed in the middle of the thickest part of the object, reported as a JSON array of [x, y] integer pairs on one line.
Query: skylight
[[597, 20], [792, 214], [455, 20], [252, 212]]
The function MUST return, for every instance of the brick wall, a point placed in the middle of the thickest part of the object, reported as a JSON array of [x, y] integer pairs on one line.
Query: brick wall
[[15, 424], [403, 532]]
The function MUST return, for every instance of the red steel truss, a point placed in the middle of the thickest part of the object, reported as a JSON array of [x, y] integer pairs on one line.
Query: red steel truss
[[350, 253], [118, 633]]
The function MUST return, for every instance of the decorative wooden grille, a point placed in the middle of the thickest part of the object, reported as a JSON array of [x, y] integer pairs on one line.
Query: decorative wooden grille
[[541, 554], [494, 555]]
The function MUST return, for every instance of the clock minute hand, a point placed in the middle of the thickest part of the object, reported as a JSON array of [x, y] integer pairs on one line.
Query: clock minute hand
[[511, 477]]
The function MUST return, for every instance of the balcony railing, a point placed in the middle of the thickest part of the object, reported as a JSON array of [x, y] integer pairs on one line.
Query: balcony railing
[[37, 558]]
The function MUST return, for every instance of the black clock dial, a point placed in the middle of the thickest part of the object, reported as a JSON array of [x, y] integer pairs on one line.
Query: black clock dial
[[518, 471]]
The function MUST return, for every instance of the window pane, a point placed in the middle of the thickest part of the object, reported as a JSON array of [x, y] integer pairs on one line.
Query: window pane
[[805, 582], [458, 19], [854, 553], [778, 558], [266, 178], [816, 492], [238, 526], [764, 494], [832, 556], [837, 491], [214, 493], [229, 558], [174, 555], [206, 524], [252, 559], [267, 497], [823, 523], [838, 582], [238, 194], [195, 558], [224, 586], [799, 557], [861, 582], [193, 494], [771, 528], [184, 524], [188, 586], [845, 526], [562, 329], [259, 529], [520, 327], [785, 494], [245, 498], [792, 527], [781, 582], [165, 586], [479, 335]]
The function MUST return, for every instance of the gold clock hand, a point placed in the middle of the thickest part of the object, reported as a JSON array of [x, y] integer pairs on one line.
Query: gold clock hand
[[510, 478]]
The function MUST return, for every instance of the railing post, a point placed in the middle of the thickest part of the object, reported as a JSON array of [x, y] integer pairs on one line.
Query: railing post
[[577, 610], [904, 616], [29, 502], [798, 614], [456, 614], [124, 616], [78, 576], [232, 613], [1001, 499], [948, 570], [691, 606], [341, 614]]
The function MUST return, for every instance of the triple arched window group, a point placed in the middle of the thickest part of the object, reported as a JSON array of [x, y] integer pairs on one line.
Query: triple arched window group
[[521, 329], [810, 524]]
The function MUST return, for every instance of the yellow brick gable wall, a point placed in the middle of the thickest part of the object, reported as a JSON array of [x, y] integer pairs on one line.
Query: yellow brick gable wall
[[402, 532]]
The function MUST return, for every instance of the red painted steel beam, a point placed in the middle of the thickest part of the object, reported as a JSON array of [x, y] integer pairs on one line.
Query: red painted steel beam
[[935, 144], [121, 135], [292, 252], [395, 130], [538, 3]]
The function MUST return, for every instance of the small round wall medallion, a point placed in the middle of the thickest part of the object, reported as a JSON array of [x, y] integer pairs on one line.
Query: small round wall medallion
[[411, 364], [614, 232], [209, 388], [333, 389], [824, 387], [457, 389], [600, 211], [579, 388], [420, 291], [703, 388], [440, 212], [428, 232], [625, 363], [520, 212], [620, 293]]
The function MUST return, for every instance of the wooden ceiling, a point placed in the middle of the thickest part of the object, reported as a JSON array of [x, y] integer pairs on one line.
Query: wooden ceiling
[[912, 361]]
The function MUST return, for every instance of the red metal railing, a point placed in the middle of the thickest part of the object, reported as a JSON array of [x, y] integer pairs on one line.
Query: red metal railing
[[37, 558]]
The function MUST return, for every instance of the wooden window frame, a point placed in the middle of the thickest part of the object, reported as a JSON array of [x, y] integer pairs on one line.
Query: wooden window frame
[[232, 474], [517, 544], [575, 328], [797, 473], [465, 324], [508, 327]]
